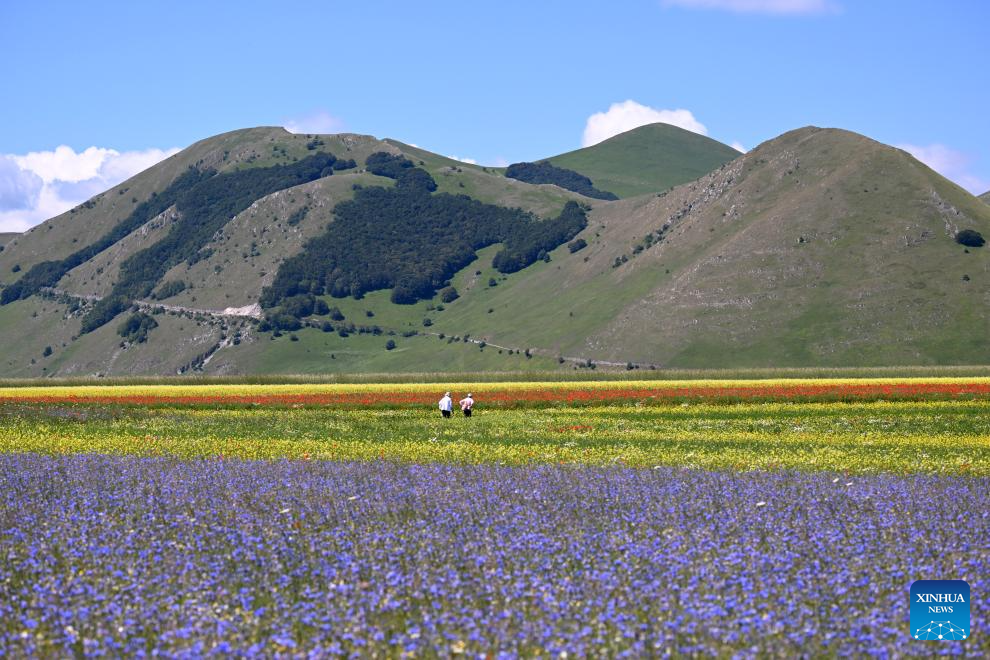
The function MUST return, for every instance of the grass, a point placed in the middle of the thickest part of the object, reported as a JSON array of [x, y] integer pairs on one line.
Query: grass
[[318, 352], [647, 159]]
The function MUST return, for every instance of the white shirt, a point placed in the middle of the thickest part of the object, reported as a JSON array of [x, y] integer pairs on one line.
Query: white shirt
[[446, 403]]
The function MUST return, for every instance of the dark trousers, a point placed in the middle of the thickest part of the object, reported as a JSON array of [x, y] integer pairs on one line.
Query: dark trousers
[[445, 413], [467, 412]]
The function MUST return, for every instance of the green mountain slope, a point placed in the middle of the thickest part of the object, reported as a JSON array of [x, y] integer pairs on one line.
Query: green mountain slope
[[227, 271], [986, 197], [818, 248], [825, 248], [647, 159]]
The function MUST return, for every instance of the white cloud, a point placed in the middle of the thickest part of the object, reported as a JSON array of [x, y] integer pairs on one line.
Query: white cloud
[[469, 161], [320, 122], [19, 188], [42, 184], [951, 164], [625, 116], [738, 147], [759, 6]]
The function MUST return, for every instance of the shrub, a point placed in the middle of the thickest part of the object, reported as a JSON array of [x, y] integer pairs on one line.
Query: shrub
[[297, 216], [136, 328], [390, 344], [169, 289], [970, 238], [449, 294], [575, 246]]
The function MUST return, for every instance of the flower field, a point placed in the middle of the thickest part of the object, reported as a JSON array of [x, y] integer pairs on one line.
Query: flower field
[[943, 437], [726, 518], [129, 556], [515, 394]]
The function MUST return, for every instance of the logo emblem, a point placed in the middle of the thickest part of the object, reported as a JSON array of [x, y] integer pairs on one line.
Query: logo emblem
[[940, 610]]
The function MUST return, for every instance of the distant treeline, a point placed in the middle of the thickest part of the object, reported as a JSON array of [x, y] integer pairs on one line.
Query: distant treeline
[[544, 172], [204, 208], [411, 241]]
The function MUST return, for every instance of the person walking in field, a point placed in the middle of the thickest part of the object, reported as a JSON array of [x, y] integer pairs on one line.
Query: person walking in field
[[466, 404], [446, 405]]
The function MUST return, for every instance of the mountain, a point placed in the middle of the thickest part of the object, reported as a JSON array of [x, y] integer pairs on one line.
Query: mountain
[[817, 248], [647, 159], [986, 197], [7, 237]]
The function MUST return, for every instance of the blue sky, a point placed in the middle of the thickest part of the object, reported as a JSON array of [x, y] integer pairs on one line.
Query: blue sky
[[495, 82]]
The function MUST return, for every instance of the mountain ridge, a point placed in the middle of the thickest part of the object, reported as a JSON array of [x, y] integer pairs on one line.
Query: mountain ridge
[[817, 248]]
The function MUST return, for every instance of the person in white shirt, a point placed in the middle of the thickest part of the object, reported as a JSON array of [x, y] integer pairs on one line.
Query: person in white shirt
[[446, 405], [466, 404]]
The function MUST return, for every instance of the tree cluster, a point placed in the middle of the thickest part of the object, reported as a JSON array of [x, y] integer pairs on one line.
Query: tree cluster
[[544, 172], [169, 289], [388, 165], [136, 328], [411, 241]]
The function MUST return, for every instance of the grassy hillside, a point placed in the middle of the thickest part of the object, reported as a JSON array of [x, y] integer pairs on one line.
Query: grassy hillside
[[986, 197], [819, 248], [647, 159], [7, 238], [487, 184], [64, 234], [239, 261]]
